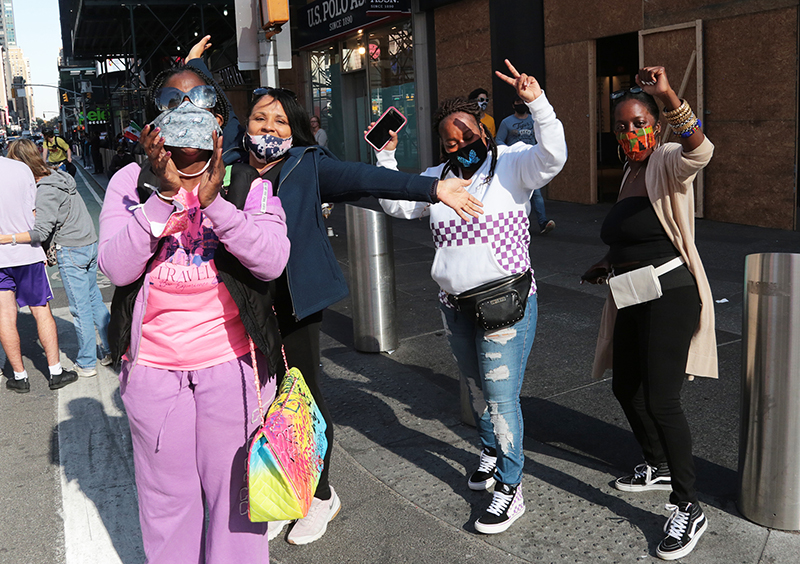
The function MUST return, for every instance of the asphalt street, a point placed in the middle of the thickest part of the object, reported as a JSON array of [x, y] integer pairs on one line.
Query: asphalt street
[[401, 452]]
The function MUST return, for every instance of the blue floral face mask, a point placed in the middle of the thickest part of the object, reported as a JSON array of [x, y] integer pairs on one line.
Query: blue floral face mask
[[267, 148], [188, 126]]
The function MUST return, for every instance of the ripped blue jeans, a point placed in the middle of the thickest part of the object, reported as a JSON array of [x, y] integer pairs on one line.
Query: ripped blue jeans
[[493, 363]]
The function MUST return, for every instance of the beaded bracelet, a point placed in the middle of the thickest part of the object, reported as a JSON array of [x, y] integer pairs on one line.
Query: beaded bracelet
[[688, 124], [678, 112], [691, 131]]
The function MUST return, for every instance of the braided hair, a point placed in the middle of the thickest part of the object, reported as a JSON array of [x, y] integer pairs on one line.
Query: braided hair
[[220, 109], [452, 106]]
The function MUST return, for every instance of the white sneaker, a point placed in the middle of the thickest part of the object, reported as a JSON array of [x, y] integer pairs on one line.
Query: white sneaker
[[86, 372], [274, 528], [313, 526]]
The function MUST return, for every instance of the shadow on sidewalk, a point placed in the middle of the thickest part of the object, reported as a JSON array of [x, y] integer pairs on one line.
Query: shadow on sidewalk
[[557, 431], [95, 458]]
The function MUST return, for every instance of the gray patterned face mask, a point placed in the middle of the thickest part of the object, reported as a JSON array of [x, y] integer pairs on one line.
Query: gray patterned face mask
[[188, 126]]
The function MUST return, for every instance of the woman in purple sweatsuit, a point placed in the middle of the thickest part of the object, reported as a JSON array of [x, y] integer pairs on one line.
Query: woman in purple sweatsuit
[[186, 379]]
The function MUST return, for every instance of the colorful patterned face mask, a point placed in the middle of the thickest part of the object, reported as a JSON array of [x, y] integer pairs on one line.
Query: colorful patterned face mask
[[635, 144], [267, 148]]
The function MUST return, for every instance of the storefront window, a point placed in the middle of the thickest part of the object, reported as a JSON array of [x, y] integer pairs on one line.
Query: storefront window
[[355, 80], [391, 83], [353, 52]]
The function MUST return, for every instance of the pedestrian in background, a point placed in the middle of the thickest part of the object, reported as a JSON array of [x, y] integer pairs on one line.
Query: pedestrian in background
[[518, 127], [320, 136], [63, 220], [57, 152], [653, 345], [481, 96], [487, 253], [23, 278]]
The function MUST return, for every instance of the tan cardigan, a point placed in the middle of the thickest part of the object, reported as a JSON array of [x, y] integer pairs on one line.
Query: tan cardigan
[[669, 178]]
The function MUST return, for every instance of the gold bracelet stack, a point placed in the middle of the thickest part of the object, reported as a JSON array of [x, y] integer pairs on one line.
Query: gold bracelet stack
[[682, 120]]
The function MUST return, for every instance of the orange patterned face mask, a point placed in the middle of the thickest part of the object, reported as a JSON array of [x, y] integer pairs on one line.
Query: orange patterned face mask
[[635, 144]]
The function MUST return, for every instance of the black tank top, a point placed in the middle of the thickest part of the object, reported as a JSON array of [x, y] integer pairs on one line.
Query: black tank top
[[634, 234]]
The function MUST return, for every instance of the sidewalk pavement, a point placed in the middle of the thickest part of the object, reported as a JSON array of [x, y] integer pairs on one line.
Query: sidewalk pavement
[[401, 454]]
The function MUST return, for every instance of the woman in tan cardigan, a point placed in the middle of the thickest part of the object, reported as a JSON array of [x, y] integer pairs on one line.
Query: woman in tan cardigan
[[652, 346]]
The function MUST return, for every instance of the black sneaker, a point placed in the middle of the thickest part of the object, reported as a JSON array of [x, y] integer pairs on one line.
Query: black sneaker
[[60, 380], [483, 477], [684, 528], [548, 227], [19, 386], [507, 506], [646, 478]]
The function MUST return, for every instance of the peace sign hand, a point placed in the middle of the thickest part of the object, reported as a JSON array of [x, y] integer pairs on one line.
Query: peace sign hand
[[527, 87]]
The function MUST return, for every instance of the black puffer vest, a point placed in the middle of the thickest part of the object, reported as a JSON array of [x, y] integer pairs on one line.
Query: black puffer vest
[[252, 296]]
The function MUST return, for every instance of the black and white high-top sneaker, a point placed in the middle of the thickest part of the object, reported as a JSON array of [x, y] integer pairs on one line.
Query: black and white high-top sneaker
[[507, 506], [483, 477], [684, 528], [646, 478]]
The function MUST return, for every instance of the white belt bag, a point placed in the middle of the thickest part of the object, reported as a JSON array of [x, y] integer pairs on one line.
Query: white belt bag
[[640, 285]]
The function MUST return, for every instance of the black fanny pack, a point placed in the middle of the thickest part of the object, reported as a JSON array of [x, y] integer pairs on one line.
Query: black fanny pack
[[496, 304]]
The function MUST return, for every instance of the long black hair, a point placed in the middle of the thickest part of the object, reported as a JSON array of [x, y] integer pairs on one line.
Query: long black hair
[[299, 121], [151, 112], [452, 106]]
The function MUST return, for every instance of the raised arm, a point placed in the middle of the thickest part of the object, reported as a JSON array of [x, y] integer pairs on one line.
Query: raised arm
[[653, 80], [540, 163], [232, 132]]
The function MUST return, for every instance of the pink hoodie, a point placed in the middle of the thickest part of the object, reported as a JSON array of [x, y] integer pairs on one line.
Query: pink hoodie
[[129, 234]]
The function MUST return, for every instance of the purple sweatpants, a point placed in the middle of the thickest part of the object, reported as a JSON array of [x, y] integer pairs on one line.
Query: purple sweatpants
[[190, 433]]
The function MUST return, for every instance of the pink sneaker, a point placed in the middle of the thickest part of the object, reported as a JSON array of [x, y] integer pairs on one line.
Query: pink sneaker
[[313, 526]]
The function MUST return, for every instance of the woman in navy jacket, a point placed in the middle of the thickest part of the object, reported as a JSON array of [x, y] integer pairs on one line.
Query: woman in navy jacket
[[277, 141]]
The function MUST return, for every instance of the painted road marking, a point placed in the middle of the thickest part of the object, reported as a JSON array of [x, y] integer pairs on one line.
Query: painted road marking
[[98, 491]]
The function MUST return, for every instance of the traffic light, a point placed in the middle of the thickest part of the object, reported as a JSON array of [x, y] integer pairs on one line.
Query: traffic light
[[88, 96], [65, 97]]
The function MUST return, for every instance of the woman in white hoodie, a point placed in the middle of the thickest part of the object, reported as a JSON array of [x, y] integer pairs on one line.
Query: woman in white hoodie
[[491, 347]]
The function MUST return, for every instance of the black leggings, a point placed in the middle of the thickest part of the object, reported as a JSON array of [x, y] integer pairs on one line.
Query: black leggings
[[651, 345], [301, 343]]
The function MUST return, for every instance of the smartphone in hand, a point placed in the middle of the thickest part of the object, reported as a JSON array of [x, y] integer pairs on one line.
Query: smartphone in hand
[[391, 120]]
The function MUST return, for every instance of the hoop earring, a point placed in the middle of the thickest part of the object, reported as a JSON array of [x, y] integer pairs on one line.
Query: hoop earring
[[620, 154]]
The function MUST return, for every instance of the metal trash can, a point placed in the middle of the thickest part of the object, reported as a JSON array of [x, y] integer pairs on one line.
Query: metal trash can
[[769, 443], [372, 289]]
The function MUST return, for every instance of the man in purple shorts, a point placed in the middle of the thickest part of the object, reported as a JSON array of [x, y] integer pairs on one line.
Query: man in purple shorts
[[23, 280]]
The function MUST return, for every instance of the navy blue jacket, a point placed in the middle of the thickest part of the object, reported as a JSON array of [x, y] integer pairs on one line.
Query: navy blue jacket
[[310, 176]]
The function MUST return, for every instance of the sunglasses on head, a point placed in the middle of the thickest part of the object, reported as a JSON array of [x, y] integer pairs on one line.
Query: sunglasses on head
[[262, 91], [204, 96], [621, 93]]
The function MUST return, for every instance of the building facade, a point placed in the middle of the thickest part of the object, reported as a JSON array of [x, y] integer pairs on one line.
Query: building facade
[[735, 61]]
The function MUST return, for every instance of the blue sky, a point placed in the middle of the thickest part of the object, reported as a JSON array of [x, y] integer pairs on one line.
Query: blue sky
[[39, 35]]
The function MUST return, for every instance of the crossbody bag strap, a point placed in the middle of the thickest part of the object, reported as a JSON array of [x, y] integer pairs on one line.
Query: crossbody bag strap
[[255, 370], [669, 266]]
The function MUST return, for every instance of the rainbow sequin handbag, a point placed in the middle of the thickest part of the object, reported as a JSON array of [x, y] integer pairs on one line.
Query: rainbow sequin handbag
[[286, 453]]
